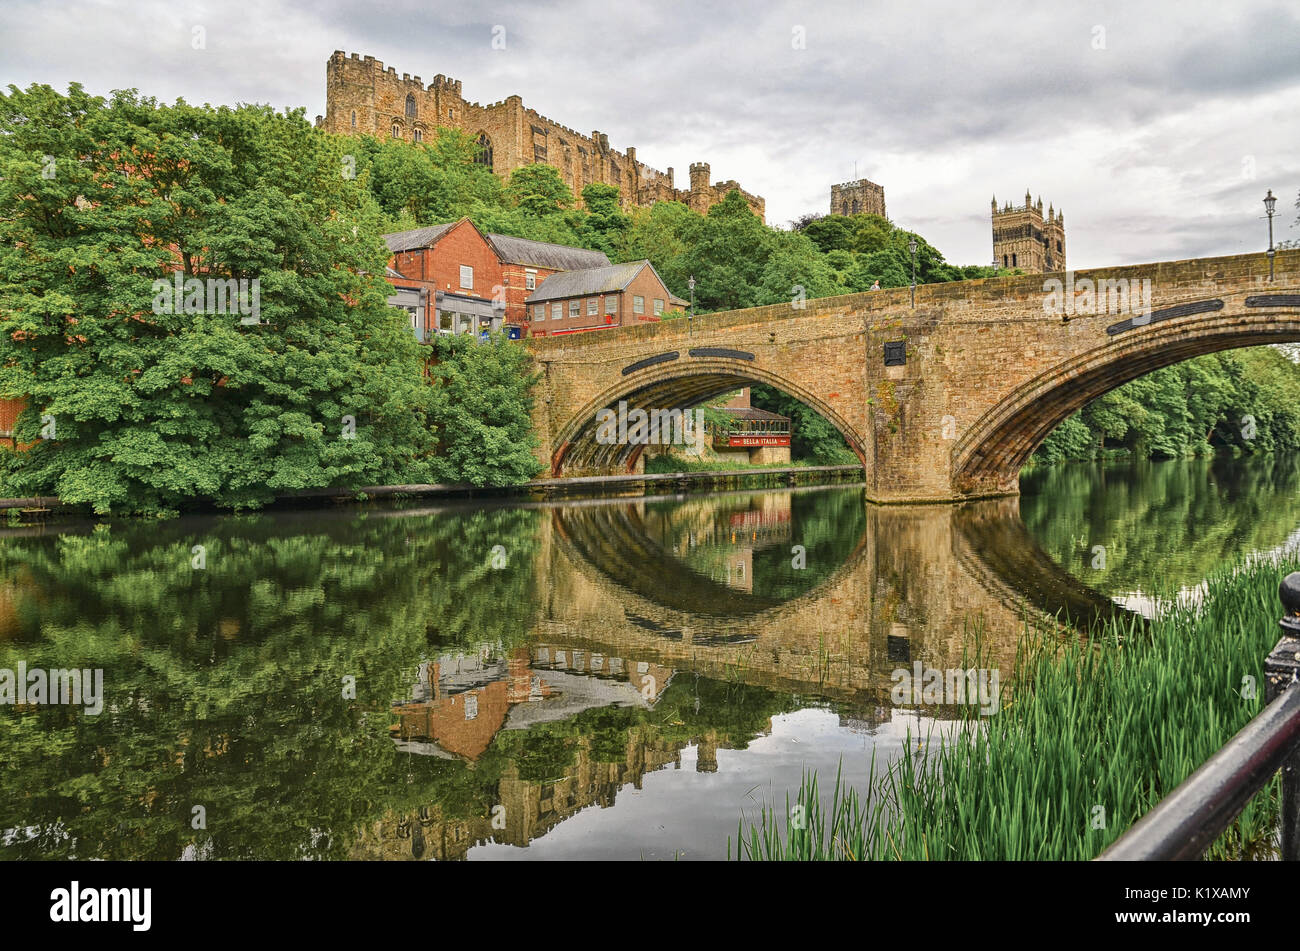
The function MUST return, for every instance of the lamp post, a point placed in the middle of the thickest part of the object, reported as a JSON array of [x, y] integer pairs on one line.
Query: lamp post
[[911, 246], [690, 316], [1269, 204]]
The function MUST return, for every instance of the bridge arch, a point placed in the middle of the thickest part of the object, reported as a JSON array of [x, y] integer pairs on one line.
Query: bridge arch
[[680, 382], [988, 458]]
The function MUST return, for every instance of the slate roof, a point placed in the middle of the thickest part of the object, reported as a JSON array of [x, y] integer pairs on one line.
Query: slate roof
[[588, 281], [750, 413], [555, 257], [418, 238]]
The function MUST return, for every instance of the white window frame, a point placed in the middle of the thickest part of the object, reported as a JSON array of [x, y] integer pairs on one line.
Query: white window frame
[[659, 306], [557, 311], [539, 312], [466, 277], [593, 306], [638, 304], [575, 308], [530, 280], [611, 303]]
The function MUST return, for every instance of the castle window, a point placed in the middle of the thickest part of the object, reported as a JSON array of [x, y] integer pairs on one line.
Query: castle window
[[451, 113], [419, 135], [484, 156], [1004, 260], [855, 206], [410, 106], [845, 209], [397, 131], [1058, 246], [354, 118], [1013, 261]]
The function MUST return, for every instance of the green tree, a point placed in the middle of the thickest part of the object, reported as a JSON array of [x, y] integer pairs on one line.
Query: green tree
[[482, 412], [157, 401], [538, 190]]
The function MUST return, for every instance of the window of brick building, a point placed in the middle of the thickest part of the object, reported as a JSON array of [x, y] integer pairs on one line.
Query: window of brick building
[[557, 311], [573, 308], [611, 304], [530, 280], [539, 312], [467, 277], [659, 305], [593, 306], [638, 304]]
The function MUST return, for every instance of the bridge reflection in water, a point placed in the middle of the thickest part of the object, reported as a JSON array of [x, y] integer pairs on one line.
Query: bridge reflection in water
[[774, 598]]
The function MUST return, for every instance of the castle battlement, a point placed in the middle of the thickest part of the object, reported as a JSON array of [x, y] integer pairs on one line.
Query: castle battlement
[[365, 97]]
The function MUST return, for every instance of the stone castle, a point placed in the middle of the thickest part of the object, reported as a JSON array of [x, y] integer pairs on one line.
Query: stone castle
[[858, 198], [1023, 238], [365, 98]]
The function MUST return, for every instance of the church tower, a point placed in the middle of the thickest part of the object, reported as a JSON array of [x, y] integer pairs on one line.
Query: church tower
[[1024, 238]]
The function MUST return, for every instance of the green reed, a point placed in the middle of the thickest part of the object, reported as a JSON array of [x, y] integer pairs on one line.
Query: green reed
[[1091, 735]]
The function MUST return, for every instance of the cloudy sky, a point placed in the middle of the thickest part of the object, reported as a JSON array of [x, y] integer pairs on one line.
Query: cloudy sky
[[1157, 127]]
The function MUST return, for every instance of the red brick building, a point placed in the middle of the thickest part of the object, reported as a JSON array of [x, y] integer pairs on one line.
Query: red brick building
[[467, 281], [525, 264], [600, 297]]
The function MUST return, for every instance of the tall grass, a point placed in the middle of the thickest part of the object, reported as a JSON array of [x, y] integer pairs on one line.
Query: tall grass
[[1114, 722]]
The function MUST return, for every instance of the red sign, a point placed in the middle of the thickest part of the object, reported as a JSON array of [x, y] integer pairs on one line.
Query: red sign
[[744, 441]]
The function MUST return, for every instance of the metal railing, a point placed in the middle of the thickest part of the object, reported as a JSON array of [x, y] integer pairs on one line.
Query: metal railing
[[1185, 823]]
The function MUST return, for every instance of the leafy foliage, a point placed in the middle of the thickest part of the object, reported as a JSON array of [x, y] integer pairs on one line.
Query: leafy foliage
[[482, 412], [154, 405], [1239, 401]]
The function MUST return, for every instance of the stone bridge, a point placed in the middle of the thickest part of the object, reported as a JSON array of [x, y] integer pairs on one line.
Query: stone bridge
[[942, 401]]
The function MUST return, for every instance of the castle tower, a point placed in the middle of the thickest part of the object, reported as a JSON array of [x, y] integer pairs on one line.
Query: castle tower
[[1024, 238], [700, 187]]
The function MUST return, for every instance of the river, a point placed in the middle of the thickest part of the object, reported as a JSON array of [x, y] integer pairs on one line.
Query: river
[[607, 679]]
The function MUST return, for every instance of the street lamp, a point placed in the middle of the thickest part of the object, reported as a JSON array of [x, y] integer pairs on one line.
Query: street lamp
[[690, 316], [1269, 204], [911, 246]]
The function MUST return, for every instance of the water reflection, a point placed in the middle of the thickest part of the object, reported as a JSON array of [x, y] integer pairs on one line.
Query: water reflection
[[358, 684]]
